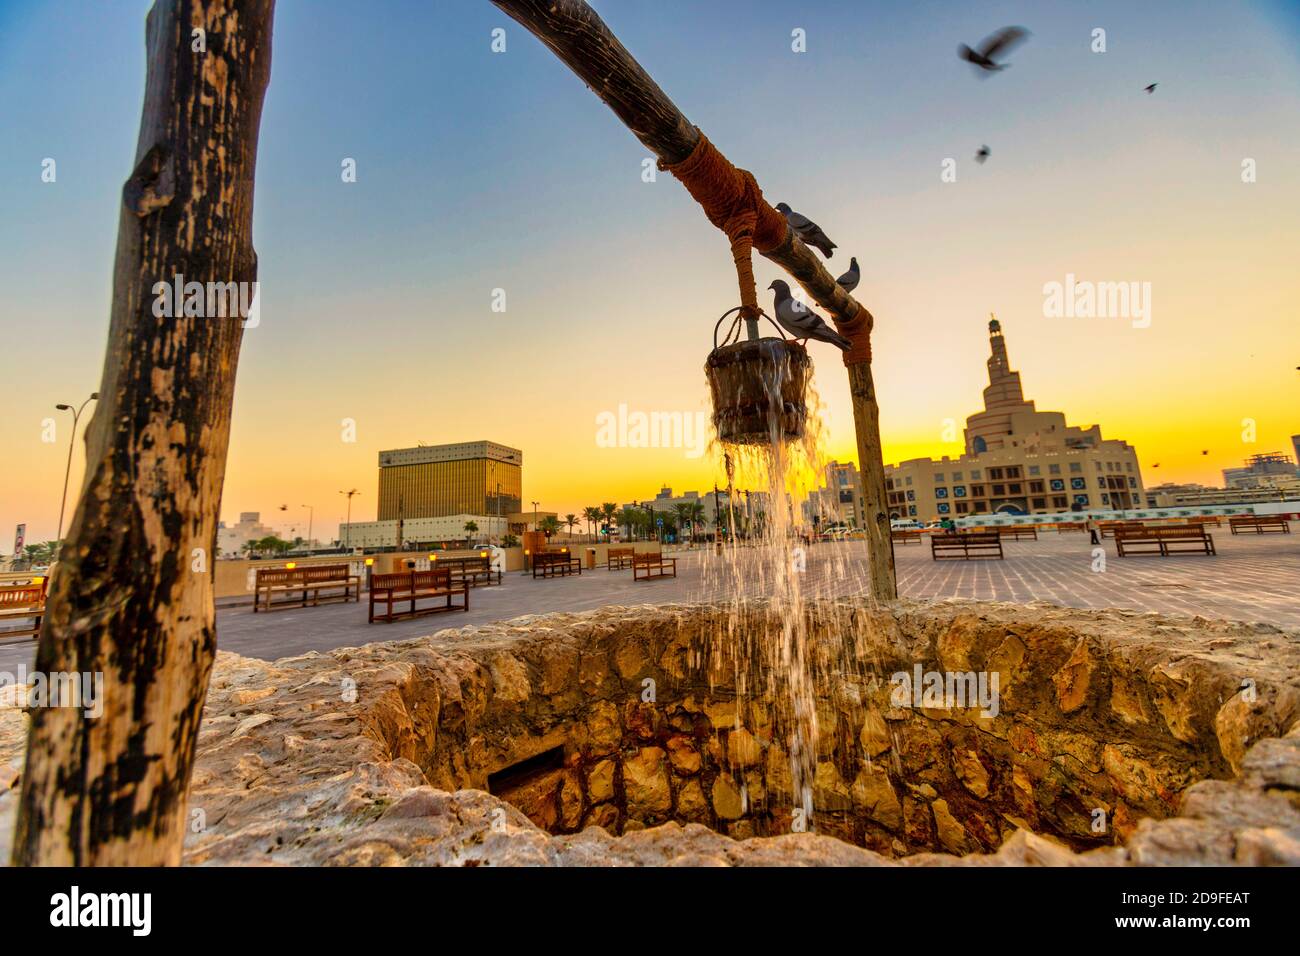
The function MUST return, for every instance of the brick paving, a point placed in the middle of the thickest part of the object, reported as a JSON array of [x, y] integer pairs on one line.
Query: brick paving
[[1253, 578]]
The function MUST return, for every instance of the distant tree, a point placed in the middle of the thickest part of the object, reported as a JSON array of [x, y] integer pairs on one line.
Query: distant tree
[[42, 553], [550, 524], [607, 512], [570, 520], [471, 527], [509, 541], [592, 514]]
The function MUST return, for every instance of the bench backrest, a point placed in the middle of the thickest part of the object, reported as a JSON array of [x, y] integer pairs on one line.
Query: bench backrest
[[22, 596], [952, 540], [1189, 532], [621, 552], [647, 557], [1244, 520], [551, 557], [278, 575], [392, 581], [433, 578], [325, 572]]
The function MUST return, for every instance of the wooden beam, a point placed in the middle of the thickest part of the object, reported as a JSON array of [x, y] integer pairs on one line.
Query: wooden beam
[[583, 42], [131, 598]]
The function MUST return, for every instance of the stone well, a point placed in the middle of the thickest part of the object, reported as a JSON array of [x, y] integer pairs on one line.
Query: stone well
[[627, 735]]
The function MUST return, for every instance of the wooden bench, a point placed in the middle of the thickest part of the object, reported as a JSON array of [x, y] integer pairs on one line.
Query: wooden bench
[[1214, 520], [1063, 527], [334, 579], [652, 564], [19, 601], [414, 586], [470, 571], [1018, 531], [1260, 524], [616, 559], [972, 544], [549, 564], [1164, 541], [907, 537]]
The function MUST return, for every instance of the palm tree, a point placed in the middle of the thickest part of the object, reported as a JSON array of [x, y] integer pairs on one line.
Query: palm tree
[[549, 525], [607, 511], [632, 519], [470, 528], [570, 520], [592, 514]]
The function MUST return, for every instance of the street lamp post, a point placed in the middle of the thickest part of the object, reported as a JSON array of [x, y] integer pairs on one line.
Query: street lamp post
[[347, 545], [536, 526], [311, 517], [63, 502]]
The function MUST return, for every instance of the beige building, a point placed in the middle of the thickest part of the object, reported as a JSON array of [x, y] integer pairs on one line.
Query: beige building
[[839, 501], [232, 538], [434, 481], [1018, 460]]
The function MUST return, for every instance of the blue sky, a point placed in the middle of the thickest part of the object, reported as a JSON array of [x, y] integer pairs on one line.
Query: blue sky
[[479, 171]]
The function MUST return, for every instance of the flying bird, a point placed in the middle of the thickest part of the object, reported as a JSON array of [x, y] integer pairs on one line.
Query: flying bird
[[982, 155], [849, 281], [801, 321], [1000, 42], [1151, 88], [807, 230]]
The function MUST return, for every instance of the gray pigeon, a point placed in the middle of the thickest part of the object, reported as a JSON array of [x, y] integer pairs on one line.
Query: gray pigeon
[[800, 321], [849, 281], [1000, 42], [807, 230]]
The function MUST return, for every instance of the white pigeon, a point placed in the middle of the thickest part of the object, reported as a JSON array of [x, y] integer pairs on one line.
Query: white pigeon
[[849, 281], [801, 321], [807, 230]]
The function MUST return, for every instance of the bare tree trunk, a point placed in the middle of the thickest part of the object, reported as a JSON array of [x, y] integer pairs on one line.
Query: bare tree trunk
[[132, 596], [580, 38]]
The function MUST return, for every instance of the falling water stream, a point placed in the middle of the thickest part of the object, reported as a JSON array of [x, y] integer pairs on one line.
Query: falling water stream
[[771, 653]]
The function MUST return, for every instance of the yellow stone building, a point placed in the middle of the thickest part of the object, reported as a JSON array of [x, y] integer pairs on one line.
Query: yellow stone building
[[1018, 460]]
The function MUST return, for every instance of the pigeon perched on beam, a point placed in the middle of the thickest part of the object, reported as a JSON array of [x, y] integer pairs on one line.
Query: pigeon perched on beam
[[997, 43], [807, 230], [801, 321], [849, 281]]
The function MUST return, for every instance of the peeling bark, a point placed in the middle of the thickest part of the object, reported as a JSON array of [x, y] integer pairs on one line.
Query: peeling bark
[[132, 595]]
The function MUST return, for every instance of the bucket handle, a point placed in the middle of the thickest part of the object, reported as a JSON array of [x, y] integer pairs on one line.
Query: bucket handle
[[734, 329]]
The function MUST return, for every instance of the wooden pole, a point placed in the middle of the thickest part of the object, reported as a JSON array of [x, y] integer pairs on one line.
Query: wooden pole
[[132, 597], [584, 43]]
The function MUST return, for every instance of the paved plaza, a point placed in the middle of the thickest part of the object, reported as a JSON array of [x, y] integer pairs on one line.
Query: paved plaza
[[1253, 578]]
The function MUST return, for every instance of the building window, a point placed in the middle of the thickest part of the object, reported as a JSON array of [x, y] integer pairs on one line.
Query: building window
[[962, 507], [975, 474], [959, 491], [1040, 502], [941, 492], [1058, 484], [1013, 471], [1076, 466], [911, 511], [938, 477], [1078, 484], [999, 490], [1128, 466], [1102, 481], [956, 476], [908, 480], [995, 473], [1035, 470], [1105, 498], [1132, 482], [1015, 488], [979, 445], [1058, 501], [943, 507], [1081, 500], [1036, 487], [911, 496], [1054, 469]]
